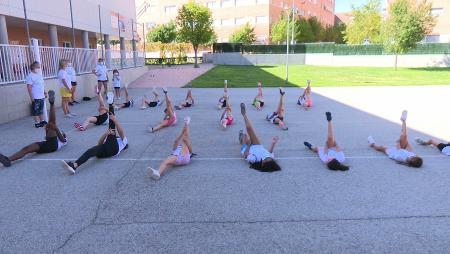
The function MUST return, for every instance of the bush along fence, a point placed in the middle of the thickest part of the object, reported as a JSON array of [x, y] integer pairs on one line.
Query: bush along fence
[[172, 60], [331, 48]]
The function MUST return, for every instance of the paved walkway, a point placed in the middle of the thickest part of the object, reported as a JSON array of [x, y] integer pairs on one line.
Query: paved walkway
[[175, 76], [217, 204]]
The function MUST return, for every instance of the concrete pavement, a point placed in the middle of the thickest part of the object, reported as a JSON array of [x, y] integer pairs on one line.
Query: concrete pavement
[[217, 204]]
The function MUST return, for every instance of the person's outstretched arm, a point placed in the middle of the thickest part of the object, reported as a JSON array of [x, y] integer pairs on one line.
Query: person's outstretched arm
[[119, 128], [274, 142], [60, 135], [102, 138]]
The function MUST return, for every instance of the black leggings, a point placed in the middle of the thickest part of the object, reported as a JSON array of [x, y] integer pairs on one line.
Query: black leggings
[[105, 150]]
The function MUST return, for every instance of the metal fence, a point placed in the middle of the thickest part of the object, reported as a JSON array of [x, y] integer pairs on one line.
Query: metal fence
[[16, 59]]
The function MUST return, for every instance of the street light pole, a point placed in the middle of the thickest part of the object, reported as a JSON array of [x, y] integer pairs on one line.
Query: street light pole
[[287, 49], [293, 22]]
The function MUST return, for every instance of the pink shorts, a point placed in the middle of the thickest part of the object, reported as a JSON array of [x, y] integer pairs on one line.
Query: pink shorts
[[308, 103], [229, 121], [172, 121], [182, 159]]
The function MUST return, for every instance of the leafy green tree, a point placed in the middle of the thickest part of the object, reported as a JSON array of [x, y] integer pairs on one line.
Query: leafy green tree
[[245, 35], [278, 31], [407, 23], [304, 31], [165, 33], [195, 25], [366, 24]]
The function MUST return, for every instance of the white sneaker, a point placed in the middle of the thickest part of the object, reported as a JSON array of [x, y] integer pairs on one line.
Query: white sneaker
[[69, 168], [154, 174], [68, 116], [150, 129], [371, 140], [421, 141], [110, 98], [187, 120], [73, 114], [164, 90], [143, 107], [404, 115]]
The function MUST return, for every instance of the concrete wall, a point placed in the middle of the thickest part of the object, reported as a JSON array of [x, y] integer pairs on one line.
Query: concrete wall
[[407, 61], [15, 102]]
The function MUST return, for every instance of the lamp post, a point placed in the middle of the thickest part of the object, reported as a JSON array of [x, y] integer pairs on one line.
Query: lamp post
[[287, 49]]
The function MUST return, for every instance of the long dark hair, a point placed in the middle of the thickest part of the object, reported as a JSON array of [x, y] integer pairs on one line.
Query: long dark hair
[[268, 166]]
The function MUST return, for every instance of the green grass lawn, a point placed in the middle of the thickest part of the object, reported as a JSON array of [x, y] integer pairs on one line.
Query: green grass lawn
[[247, 76]]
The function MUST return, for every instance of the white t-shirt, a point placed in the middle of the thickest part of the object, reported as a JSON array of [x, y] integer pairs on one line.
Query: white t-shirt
[[400, 155], [36, 81], [256, 153], [61, 144], [101, 71], [62, 75], [446, 150], [116, 81], [122, 144], [332, 154], [71, 74]]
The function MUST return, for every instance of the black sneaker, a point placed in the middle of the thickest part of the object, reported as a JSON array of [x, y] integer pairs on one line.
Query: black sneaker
[[37, 125], [69, 166], [51, 97], [76, 102], [43, 123], [282, 92], [307, 144], [70, 103], [5, 160], [241, 136], [243, 109], [328, 114]]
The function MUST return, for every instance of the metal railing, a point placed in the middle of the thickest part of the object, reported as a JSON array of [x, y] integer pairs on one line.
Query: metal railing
[[16, 59]]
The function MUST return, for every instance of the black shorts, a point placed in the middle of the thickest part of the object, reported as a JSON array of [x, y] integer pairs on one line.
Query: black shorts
[[116, 88], [102, 81], [261, 104], [48, 146], [152, 104], [74, 83], [127, 104], [101, 119], [441, 146], [277, 117], [187, 104], [109, 148], [37, 107], [224, 103]]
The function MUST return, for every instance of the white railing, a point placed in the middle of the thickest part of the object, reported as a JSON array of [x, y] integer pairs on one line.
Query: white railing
[[16, 59]]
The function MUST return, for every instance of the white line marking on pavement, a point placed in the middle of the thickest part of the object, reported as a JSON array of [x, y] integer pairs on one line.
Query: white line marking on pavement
[[229, 158]]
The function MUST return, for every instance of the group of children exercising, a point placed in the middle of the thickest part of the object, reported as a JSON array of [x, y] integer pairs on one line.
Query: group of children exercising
[[114, 141]]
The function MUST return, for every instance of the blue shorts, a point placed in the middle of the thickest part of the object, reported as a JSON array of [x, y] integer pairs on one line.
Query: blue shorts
[[37, 107]]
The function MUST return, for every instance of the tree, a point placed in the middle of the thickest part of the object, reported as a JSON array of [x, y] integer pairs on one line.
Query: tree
[[165, 33], [278, 31], [304, 32], [366, 24], [194, 23], [407, 23], [245, 35]]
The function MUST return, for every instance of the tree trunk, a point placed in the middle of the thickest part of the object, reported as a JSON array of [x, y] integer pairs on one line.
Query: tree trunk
[[195, 56], [396, 61]]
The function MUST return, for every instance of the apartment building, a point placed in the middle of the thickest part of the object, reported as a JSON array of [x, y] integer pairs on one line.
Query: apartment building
[[50, 22], [441, 32], [230, 15]]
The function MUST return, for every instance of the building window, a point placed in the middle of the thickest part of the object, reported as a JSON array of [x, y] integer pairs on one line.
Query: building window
[[217, 22], [170, 9], [239, 21], [212, 4], [227, 22], [262, 20], [67, 44], [242, 2], [150, 25], [437, 11], [227, 3], [262, 1]]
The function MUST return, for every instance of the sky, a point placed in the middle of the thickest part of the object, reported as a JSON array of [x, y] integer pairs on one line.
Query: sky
[[346, 5]]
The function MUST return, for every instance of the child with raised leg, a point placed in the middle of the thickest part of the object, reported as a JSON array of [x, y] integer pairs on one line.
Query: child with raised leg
[[223, 100], [252, 151], [402, 153], [55, 139], [181, 153], [305, 99], [226, 119], [95, 120], [128, 102], [110, 144], [332, 154], [277, 117], [188, 102], [151, 102], [258, 101], [170, 118]]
